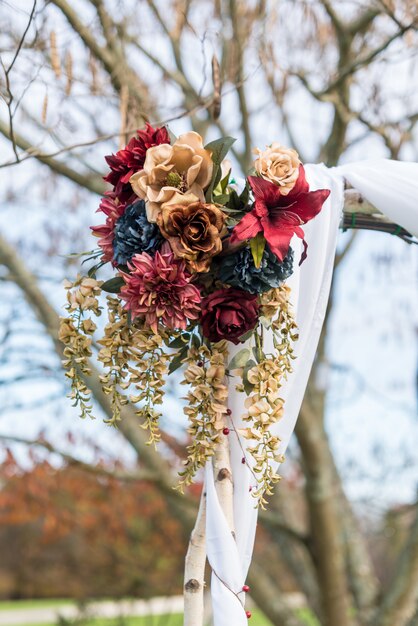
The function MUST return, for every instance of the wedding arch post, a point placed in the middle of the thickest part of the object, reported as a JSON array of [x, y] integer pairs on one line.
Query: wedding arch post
[[358, 214]]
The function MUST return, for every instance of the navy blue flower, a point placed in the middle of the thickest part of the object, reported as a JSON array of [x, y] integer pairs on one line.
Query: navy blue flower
[[134, 234], [238, 270]]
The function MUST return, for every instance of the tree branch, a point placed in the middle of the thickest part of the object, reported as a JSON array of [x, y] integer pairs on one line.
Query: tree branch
[[340, 27], [194, 571], [362, 23], [87, 181], [10, 97], [399, 602], [120, 73], [273, 603], [240, 83], [364, 61], [99, 470], [322, 495]]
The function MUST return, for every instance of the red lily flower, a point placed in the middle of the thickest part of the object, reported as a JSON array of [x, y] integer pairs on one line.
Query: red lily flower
[[280, 217]]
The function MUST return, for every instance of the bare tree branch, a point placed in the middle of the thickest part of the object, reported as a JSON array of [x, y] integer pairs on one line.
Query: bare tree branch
[[240, 83], [10, 97], [120, 73], [87, 181], [358, 63], [399, 602], [97, 469], [274, 604]]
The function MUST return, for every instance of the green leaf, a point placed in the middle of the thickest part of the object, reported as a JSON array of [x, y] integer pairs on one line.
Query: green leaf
[[245, 194], [113, 285], [240, 202], [219, 149], [258, 354], [76, 255], [248, 387], [92, 257], [92, 271], [179, 342], [225, 181], [247, 335], [257, 244], [174, 365], [221, 199], [240, 359], [177, 361], [196, 342]]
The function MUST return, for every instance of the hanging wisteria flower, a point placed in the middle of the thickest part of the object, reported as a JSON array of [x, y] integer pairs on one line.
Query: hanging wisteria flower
[[134, 234], [158, 289], [279, 217], [239, 270], [279, 165], [131, 159], [176, 174], [194, 232], [228, 314], [113, 209]]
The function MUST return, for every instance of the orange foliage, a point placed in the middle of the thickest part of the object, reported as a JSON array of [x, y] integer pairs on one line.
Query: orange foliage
[[68, 532]]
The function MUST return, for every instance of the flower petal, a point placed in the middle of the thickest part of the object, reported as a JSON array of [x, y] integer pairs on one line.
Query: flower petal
[[264, 190], [301, 185], [247, 228], [308, 205], [278, 238]]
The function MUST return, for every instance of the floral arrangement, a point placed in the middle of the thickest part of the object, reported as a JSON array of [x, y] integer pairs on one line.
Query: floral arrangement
[[198, 263]]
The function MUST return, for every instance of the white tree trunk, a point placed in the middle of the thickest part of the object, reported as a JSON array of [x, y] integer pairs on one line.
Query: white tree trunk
[[223, 479], [194, 571]]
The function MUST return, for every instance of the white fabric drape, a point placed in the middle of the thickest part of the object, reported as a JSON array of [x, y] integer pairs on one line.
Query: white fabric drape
[[392, 187]]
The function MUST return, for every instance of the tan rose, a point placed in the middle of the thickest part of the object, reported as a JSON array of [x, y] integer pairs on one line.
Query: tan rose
[[194, 232], [174, 174], [279, 165]]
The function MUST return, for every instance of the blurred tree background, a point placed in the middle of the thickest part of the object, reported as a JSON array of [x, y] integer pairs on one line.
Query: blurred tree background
[[335, 80]]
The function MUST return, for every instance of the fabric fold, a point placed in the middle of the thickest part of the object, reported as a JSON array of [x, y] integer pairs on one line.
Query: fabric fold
[[392, 187]]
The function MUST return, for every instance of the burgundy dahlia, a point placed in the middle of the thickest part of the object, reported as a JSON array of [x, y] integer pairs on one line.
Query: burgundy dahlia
[[131, 159], [158, 288], [113, 209], [229, 314]]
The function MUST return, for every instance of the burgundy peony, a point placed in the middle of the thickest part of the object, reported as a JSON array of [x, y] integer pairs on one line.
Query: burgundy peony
[[228, 314], [131, 159], [278, 217]]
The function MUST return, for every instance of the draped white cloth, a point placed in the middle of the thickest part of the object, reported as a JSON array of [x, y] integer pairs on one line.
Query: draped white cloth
[[392, 187]]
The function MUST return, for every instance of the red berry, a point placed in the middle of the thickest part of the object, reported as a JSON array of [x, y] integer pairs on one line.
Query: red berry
[[248, 614], [228, 412], [226, 431], [250, 489], [246, 588], [243, 460]]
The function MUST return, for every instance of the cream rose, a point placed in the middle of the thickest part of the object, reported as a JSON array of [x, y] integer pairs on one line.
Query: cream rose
[[279, 165], [176, 174]]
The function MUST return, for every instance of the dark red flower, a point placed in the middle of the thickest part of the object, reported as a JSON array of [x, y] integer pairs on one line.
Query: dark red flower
[[280, 217], [228, 314], [131, 159]]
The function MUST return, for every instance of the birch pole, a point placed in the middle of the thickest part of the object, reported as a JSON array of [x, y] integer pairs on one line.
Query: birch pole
[[194, 571], [223, 479]]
